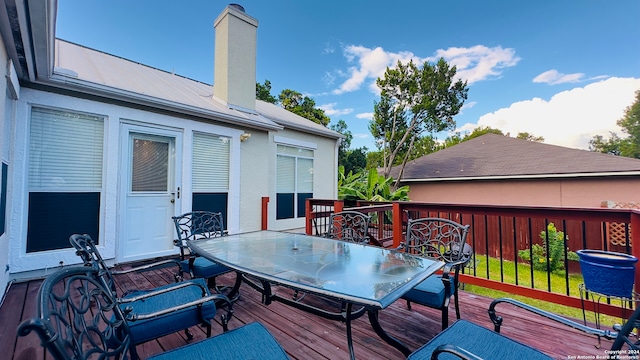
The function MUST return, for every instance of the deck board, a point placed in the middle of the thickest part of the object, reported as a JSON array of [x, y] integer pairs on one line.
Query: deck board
[[307, 336]]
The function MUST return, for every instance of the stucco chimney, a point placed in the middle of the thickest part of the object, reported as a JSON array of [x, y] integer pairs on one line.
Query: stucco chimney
[[234, 69]]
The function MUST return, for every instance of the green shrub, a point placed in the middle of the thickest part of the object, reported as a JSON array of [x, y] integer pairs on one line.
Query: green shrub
[[555, 254]]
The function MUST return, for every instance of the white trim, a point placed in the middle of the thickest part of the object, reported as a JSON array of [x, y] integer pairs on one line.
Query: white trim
[[294, 142]]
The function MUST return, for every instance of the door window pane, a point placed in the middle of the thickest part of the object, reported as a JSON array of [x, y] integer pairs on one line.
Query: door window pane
[[150, 167]]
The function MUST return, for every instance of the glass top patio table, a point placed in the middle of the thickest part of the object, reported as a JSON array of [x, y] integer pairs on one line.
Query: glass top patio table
[[360, 274]]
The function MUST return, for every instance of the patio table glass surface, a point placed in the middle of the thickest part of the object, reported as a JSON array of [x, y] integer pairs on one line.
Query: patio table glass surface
[[360, 274]]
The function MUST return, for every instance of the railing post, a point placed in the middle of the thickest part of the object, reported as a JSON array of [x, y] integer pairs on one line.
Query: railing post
[[265, 213], [309, 215], [397, 224], [635, 248], [338, 206]]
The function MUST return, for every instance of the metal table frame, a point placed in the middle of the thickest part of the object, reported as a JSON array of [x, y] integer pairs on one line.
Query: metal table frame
[[268, 263]]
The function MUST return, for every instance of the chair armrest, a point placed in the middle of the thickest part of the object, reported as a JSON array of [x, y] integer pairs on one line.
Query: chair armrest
[[497, 320], [217, 298], [455, 350], [163, 263], [167, 289]]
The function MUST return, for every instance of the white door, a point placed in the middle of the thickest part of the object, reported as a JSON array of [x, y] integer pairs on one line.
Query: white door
[[150, 167]]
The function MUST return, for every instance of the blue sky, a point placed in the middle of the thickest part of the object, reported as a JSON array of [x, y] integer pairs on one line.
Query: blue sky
[[565, 70]]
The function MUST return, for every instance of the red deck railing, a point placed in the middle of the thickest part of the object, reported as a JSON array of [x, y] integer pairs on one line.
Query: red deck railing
[[499, 232]]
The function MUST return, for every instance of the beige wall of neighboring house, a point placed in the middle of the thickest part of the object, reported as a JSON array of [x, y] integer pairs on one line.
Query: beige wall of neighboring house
[[548, 192]]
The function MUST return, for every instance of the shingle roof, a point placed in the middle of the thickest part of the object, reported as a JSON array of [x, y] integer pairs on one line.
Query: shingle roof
[[496, 156], [88, 69]]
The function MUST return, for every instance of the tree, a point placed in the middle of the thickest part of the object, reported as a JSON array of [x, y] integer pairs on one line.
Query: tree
[[303, 106], [615, 145], [414, 101], [369, 186], [355, 160], [630, 125], [458, 138], [263, 92], [341, 127], [609, 146], [529, 137]]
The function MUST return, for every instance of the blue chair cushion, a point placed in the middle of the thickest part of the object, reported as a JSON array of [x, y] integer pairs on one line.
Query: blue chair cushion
[[144, 330], [204, 268], [251, 341], [430, 292], [482, 342]]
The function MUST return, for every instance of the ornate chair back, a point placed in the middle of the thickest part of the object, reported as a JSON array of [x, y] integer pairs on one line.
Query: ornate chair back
[[352, 226], [78, 318], [86, 249], [438, 238], [197, 225]]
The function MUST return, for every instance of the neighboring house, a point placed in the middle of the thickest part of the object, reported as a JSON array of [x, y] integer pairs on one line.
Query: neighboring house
[[500, 170], [94, 143]]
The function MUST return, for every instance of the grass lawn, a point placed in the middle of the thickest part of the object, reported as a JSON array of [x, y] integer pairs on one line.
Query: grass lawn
[[556, 283]]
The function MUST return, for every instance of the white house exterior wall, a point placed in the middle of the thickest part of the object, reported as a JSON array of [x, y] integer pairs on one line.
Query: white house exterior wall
[[254, 179], [19, 260], [5, 138]]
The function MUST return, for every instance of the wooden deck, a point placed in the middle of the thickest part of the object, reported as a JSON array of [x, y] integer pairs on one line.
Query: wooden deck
[[306, 336]]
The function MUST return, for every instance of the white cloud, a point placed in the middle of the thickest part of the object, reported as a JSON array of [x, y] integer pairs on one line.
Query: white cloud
[[371, 64], [361, 136], [553, 77], [570, 118], [473, 64], [330, 110], [367, 116], [478, 62]]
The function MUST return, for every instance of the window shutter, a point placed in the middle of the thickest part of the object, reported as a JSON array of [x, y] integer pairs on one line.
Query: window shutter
[[211, 156], [65, 151], [285, 179]]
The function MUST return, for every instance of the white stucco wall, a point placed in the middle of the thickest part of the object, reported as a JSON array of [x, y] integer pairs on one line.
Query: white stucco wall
[[254, 179], [4, 156]]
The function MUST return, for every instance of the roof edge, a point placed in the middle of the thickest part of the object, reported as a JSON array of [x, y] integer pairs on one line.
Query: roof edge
[[526, 177], [67, 83]]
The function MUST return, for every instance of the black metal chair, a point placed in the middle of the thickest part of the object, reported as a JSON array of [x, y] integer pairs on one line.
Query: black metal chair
[[202, 225], [186, 303], [352, 226], [444, 240], [466, 340], [77, 317]]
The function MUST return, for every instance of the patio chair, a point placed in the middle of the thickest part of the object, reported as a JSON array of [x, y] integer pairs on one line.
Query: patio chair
[[466, 340], [445, 240], [202, 225], [187, 303], [77, 317], [352, 226]]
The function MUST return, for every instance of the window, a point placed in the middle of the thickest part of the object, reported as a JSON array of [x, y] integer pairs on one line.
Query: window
[[65, 177], [294, 181], [210, 173]]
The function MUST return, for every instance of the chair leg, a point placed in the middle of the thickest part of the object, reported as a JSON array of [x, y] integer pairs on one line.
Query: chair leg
[[445, 318], [455, 301], [408, 304], [188, 334]]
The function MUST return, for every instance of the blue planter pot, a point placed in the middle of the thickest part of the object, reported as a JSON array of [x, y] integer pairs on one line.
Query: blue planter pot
[[608, 273]]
